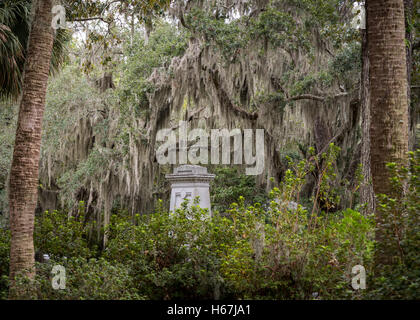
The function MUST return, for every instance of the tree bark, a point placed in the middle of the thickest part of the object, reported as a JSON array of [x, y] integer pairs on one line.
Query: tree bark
[[367, 196], [148, 28], [412, 109], [24, 169], [388, 99]]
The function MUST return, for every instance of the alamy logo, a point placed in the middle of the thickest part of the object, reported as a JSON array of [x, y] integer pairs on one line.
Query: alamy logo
[[359, 280], [359, 20], [59, 279], [198, 153], [59, 18]]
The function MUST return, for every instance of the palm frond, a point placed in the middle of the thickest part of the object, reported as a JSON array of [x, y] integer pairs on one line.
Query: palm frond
[[15, 23], [60, 52], [12, 11], [11, 61], [14, 31]]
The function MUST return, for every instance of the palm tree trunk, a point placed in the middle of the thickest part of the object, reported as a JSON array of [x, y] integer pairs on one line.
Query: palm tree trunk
[[388, 97], [24, 170]]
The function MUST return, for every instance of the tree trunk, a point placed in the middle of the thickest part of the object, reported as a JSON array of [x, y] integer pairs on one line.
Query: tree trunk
[[366, 190], [24, 169], [408, 9], [388, 97], [148, 28]]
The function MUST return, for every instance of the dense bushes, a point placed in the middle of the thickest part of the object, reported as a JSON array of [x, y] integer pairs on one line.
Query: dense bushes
[[4, 261], [401, 221], [229, 184], [96, 279], [285, 253], [63, 236], [172, 256], [252, 252]]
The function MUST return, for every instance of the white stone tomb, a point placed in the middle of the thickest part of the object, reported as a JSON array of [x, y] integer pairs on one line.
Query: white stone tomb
[[189, 182]]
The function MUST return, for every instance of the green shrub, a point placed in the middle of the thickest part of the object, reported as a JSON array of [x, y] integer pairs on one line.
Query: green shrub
[[172, 256], [4, 262], [229, 185], [400, 279], [59, 235], [292, 254], [86, 279], [251, 252]]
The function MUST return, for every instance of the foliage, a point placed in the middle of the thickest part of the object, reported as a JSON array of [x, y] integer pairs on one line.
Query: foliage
[[58, 235], [229, 185], [70, 98], [14, 30], [281, 29], [297, 30], [14, 34], [252, 250], [75, 178], [275, 25], [115, 116], [172, 256], [229, 37], [251, 253], [400, 279], [86, 279], [165, 43], [7, 131], [4, 261], [66, 92], [285, 253]]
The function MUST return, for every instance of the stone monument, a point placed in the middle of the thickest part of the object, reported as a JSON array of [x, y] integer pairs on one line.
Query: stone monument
[[189, 182]]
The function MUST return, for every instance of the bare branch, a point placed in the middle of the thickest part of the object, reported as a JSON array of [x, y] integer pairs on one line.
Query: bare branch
[[190, 118], [239, 111], [89, 19], [316, 98], [306, 97]]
